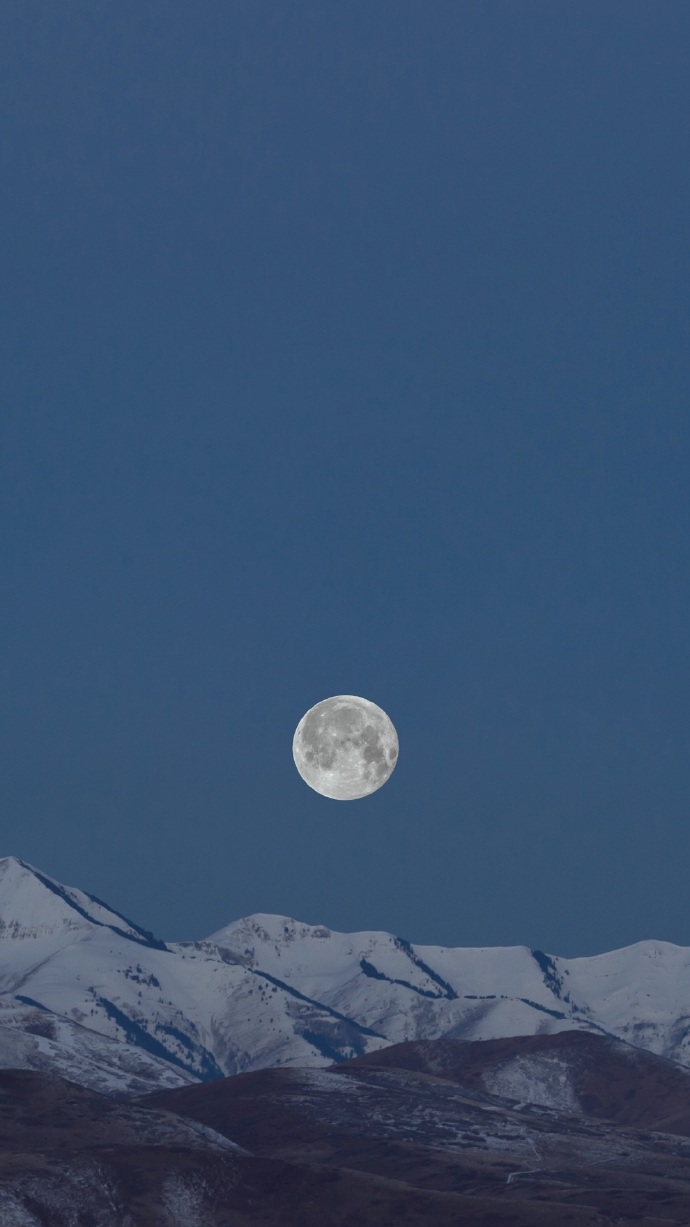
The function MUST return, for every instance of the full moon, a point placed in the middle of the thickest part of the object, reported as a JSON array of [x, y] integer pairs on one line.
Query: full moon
[[345, 747]]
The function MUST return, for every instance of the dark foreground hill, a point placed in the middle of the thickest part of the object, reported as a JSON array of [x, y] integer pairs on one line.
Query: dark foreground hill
[[571, 1129], [551, 1129], [574, 1071]]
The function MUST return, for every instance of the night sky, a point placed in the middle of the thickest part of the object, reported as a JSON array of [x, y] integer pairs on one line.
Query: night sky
[[345, 349]]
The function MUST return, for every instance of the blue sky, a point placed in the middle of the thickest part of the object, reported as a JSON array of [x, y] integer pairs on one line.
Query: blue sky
[[345, 350]]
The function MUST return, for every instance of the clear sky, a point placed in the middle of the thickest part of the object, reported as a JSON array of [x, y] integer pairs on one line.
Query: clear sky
[[345, 349]]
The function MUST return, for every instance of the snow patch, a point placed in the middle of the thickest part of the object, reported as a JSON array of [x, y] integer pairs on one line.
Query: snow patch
[[322, 1080], [14, 1214], [545, 1080], [183, 1203]]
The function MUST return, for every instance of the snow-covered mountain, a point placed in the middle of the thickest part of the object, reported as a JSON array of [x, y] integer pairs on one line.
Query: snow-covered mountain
[[87, 993]]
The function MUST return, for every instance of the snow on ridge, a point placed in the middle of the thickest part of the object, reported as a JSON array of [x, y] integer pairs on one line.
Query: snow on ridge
[[33, 904], [269, 990]]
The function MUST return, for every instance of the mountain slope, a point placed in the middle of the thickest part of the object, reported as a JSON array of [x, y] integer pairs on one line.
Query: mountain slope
[[188, 1011], [640, 993], [117, 1009], [578, 1072], [408, 1136], [422, 1114], [72, 1158]]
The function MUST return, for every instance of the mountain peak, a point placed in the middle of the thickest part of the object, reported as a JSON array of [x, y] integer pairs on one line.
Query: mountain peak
[[265, 927], [35, 906]]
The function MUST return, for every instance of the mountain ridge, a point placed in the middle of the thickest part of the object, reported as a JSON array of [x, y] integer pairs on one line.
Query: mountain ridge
[[125, 1011]]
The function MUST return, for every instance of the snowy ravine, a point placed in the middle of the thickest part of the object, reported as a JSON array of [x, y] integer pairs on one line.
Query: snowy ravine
[[88, 994]]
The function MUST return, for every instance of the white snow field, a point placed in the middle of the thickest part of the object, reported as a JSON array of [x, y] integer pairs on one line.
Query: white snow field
[[87, 993]]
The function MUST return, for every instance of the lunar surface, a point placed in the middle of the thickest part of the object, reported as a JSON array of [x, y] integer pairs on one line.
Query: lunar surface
[[345, 747]]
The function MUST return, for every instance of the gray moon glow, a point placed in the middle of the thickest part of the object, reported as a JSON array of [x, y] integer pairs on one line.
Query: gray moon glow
[[345, 747]]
